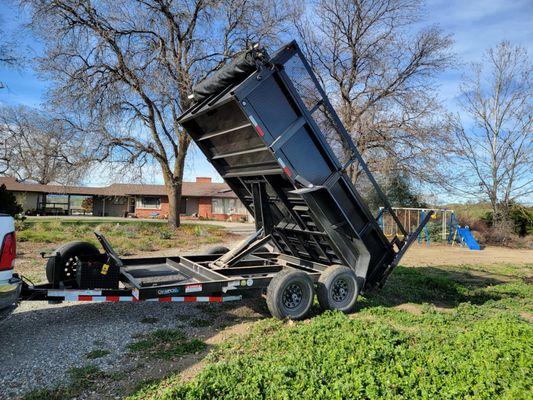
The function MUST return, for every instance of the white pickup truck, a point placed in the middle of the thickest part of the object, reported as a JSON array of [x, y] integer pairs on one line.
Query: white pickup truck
[[10, 285]]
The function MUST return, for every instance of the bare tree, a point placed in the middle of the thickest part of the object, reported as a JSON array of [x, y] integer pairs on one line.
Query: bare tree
[[40, 148], [8, 56], [379, 76], [129, 65], [7, 53], [495, 142]]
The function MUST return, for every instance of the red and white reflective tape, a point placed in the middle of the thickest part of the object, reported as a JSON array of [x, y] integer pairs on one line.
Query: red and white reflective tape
[[286, 169], [196, 299], [96, 296], [256, 126], [101, 299]]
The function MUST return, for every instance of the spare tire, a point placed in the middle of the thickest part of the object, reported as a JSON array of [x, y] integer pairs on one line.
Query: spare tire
[[63, 267]]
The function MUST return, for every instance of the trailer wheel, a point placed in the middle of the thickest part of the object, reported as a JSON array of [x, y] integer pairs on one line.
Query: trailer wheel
[[65, 268], [290, 294], [338, 289], [217, 250]]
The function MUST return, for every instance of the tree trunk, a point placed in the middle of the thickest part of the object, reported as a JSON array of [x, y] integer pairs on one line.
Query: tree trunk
[[174, 202], [175, 187]]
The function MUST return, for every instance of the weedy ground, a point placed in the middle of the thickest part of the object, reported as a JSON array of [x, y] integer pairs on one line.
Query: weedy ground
[[432, 332], [128, 238], [81, 379], [166, 344]]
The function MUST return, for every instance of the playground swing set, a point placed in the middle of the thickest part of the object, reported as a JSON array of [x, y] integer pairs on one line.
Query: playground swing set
[[450, 230]]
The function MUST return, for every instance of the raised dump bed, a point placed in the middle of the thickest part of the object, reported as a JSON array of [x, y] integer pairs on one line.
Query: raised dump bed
[[274, 137], [270, 131]]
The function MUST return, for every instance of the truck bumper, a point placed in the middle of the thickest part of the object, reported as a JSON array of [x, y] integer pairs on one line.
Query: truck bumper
[[10, 288]]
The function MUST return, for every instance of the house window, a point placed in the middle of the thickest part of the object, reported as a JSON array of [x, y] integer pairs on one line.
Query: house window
[[119, 201], [218, 206], [227, 206], [149, 202]]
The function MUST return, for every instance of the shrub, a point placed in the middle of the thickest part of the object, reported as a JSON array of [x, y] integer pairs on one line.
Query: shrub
[[474, 223], [520, 217], [500, 235], [165, 234], [8, 202]]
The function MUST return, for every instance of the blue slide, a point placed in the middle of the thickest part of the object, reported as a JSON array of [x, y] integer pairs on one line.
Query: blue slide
[[468, 238]]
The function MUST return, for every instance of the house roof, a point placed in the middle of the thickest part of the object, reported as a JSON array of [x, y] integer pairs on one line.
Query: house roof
[[189, 189]]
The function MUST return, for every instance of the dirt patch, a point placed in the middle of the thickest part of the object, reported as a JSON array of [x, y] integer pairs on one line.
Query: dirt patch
[[29, 261], [236, 330], [438, 254], [418, 309], [527, 316], [410, 308]]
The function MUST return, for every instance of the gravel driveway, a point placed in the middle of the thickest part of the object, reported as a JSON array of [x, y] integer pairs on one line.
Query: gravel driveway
[[40, 342]]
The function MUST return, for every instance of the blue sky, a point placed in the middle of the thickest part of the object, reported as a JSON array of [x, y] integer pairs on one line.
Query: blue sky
[[475, 25]]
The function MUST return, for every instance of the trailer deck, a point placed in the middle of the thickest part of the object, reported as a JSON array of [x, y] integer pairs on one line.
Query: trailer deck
[[192, 278]]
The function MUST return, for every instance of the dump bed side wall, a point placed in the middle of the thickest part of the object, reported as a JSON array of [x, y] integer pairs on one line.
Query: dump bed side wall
[[292, 133]]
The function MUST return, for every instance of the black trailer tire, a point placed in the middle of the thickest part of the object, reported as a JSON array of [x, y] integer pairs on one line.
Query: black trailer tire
[[217, 250], [337, 289], [290, 294], [66, 265]]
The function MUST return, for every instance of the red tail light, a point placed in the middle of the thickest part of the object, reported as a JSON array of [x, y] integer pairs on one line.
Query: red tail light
[[8, 252]]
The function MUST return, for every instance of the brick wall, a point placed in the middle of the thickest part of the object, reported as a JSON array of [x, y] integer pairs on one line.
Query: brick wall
[[205, 208], [147, 212], [226, 217], [203, 179]]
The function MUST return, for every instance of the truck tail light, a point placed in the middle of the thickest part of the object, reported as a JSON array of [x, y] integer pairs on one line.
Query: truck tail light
[[8, 252]]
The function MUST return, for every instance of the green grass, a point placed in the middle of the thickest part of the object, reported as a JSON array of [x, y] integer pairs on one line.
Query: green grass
[[127, 237], [460, 333], [98, 353], [475, 211], [166, 344]]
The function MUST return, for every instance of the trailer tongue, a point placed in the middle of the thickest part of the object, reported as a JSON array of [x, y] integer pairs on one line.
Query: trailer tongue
[[270, 131]]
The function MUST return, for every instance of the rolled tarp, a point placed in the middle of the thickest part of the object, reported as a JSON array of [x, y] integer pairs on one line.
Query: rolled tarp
[[234, 72]]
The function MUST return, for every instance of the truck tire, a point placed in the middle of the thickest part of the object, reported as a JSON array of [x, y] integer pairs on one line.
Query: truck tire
[[217, 250], [338, 289], [290, 294], [66, 265]]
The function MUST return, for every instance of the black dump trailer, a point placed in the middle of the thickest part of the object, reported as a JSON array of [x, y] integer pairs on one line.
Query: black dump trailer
[[266, 125]]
